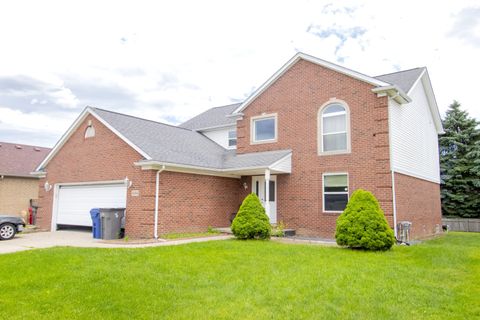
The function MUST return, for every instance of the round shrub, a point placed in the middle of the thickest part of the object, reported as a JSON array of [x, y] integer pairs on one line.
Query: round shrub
[[363, 224], [251, 222]]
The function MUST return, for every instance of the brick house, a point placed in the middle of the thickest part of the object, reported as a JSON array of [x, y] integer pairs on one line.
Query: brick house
[[17, 186], [308, 137]]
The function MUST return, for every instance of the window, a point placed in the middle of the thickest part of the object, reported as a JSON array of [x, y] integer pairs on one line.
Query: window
[[335, 192], [264, 128], [232, 138], [334, 127]]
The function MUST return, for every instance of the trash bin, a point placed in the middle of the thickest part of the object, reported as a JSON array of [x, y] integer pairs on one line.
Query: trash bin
[[111, 222], [96, 228]]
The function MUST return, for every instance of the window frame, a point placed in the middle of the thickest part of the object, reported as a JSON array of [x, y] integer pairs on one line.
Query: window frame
[[323, 189], [263, 117], [320, 134], [230, 139]]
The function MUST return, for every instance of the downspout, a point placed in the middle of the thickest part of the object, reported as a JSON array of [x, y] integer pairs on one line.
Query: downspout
[[157, 183], [394, 205]]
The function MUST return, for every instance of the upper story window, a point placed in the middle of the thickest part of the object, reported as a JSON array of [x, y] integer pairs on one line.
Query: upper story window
[[264, 128], [334, 127], [90, 130], [232, 138]]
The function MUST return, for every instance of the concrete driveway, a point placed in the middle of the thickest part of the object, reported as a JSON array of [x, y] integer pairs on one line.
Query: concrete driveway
[[36, 240]]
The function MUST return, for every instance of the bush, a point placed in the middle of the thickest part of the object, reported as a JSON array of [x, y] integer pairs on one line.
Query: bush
[[363, 224], [251, 222]]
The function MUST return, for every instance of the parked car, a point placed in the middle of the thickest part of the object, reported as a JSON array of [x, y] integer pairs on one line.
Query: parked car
[[9, 226]]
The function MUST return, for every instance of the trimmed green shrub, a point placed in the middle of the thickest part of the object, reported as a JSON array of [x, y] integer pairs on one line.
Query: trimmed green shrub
[[251, 221], [363, 225]]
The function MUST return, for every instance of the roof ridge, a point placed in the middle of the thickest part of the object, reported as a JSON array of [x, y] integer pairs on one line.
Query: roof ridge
[[22, 144], [400, 71], [135, 117], [227, 105]]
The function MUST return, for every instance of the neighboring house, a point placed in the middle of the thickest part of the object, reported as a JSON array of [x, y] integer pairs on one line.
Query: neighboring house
[[304, 141], [17, 185]]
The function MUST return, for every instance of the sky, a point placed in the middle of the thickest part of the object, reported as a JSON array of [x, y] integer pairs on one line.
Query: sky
[[171, 60]]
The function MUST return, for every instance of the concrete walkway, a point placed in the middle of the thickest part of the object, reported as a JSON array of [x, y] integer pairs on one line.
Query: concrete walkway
[[36, 240]]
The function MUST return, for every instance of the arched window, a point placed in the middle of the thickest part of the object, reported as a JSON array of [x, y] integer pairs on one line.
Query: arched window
[[334, 136]]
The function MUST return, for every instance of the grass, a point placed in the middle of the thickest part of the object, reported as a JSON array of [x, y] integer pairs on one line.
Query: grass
[[234, 279], [171, 236]]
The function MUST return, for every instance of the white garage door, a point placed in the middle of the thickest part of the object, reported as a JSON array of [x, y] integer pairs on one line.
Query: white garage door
[[75, 202]]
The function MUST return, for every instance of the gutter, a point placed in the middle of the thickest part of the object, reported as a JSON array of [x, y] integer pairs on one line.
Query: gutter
[[157, 182], [394, 92], [394, 203]]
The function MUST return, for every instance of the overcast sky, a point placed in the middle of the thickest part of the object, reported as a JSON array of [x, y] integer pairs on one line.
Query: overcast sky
[[169, 61]]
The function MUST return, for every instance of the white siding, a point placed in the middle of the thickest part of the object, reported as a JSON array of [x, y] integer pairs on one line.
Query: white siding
[[220, 136], [413, 137]]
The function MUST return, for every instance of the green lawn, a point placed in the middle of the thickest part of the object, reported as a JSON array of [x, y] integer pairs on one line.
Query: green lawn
[[439, 279], [172, 236]]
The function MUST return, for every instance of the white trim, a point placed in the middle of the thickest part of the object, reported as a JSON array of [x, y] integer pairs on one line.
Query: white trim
[[121, 136], [416, 81], [432, 102], [53, 222], [157, 186], [394, 92], [415, 175], [311, 59], [320, 134], [263, 117], [323, 189], [74, 126]]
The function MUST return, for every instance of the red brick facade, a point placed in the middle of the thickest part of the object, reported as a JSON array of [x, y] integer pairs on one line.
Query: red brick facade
[[296, 98], [187, 202], [418, 201]]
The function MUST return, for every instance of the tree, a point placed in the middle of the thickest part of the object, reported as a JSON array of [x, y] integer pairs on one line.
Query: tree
[[251, 221], [460, 164], [363, 225]]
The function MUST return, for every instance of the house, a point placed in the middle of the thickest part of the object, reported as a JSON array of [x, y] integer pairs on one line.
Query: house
[[303, 141], [17, 186]]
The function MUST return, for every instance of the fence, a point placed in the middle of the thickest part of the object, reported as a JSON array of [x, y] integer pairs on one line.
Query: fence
[[462, 224]]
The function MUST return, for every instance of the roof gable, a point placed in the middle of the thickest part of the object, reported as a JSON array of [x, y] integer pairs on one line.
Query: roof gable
[[405, 79], [302, 56]]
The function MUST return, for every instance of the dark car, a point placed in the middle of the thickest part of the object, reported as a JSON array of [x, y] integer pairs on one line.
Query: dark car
[[9, 226]]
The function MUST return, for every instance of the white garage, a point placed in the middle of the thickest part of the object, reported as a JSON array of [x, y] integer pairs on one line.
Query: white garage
[[75, 201]]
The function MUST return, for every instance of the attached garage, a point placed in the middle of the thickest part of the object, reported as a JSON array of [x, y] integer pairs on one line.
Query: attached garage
[[75, 201]]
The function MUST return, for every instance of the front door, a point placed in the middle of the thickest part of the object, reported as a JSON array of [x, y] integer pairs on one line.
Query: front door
[[259, 188]]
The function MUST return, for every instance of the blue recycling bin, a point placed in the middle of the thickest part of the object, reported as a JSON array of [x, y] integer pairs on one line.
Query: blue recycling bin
[[96, 227]]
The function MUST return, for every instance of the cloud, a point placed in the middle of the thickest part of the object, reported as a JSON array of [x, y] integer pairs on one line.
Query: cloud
[[28, 94], [467, 26]]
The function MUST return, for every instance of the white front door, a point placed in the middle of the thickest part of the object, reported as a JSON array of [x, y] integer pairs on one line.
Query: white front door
[[259, 186]]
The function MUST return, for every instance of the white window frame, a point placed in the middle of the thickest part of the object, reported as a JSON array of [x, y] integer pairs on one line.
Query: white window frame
[[229, 139], [252, 128], [320, 127], [323, 189]]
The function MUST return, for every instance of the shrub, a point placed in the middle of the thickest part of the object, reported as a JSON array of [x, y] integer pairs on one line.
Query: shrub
[[251, 222], [363, 224]]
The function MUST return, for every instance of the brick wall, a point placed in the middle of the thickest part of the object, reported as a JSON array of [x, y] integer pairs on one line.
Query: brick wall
[[187, 202], [296, 98], [418, 201], [15, 194]]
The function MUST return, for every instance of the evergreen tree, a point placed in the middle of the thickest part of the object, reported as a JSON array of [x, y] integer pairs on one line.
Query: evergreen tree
[[460, 164]]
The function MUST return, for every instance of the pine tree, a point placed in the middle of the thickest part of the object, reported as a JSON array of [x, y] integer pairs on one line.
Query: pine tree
[[460, 164]]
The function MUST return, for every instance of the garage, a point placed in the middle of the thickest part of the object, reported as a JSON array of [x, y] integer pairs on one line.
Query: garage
[[75, 201]]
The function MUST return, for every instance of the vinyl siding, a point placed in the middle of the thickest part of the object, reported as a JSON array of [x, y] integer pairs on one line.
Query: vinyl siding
[[220, 136], [413, 137]]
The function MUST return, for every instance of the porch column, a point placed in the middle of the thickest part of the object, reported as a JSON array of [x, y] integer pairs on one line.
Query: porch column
[[267, 192]]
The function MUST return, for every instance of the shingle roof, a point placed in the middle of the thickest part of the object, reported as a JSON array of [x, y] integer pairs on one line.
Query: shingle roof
[[403, 79], [20, 159], [170, 144], [163, 142], [254, 159], [214, 117]]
